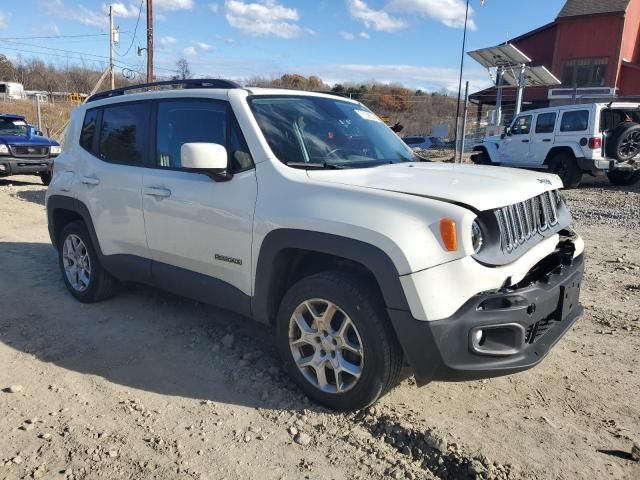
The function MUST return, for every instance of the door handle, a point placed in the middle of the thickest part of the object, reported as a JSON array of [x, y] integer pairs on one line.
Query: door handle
[[90, 180], [157, 192], [547, 140], [525, 141]]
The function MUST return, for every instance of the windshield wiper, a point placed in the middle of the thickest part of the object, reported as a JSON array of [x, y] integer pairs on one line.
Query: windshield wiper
[[315, 165]]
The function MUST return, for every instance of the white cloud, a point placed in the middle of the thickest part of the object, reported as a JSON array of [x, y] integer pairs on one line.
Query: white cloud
[[215, 8], [48, 29], [375, 19], [190, 51], [430, 78], [77, 13], [263, 18], [173, 5], [364, 35], [121, 10], [227, 40], [202, 45], [166, 41], [449, 12], [196, 48], [98, 18], [347, 36], [3, 20]]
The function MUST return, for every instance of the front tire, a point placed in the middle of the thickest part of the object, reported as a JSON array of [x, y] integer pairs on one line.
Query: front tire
[[481, 157], [623, 178], [337, 342], [566, 167], [46, 178], [82, 272]]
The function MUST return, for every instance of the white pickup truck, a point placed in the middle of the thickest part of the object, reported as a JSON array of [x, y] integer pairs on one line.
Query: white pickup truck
[[570, 141]]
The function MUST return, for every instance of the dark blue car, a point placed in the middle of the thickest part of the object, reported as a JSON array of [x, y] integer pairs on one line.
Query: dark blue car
[[23, 150]]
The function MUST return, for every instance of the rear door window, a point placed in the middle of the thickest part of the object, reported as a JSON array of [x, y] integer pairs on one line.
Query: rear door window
[[546, 123], [575, 121], [124, 133]]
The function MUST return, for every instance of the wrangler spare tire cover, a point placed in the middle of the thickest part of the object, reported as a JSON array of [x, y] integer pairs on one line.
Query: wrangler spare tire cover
[[624, 142]]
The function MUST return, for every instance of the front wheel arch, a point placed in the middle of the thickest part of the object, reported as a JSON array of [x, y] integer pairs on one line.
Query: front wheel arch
[[284, 250]]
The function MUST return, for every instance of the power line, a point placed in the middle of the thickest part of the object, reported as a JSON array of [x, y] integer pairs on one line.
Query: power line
[[57, 36], [84, 54], [135, 30], [70, 53]]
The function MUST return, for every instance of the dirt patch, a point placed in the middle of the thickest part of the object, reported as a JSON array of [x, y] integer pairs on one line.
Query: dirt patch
[[152, 386]]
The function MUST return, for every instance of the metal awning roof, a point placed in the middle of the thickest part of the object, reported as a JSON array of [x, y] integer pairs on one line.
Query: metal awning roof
[[534, 77], [500, 56]]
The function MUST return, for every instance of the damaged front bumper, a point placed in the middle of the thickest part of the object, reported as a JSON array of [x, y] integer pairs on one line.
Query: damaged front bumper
[[499, 332]]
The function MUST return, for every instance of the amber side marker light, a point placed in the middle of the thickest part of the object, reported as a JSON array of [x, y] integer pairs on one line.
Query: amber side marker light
[[449, 234]]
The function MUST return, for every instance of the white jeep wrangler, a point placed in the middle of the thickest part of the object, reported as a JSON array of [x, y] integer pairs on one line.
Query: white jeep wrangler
[[570, 141], [304, 211]]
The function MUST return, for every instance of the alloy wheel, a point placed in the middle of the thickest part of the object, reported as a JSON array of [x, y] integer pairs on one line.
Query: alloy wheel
[[76, 262], [326, 346], [630, 145]]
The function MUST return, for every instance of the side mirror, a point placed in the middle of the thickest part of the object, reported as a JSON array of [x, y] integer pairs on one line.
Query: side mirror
[[39, 133], [208, 158]]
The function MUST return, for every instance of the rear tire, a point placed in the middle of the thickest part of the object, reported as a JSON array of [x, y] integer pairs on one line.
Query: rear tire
[[622, 178], [623, 143], [566, 167], [81, 270], [315, 353]]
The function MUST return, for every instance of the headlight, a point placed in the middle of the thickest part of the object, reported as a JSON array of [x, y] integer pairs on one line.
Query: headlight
[[55, 150], [477, 238], [4, 150]]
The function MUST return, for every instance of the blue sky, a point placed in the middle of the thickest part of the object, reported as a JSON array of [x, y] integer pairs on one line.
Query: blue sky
[[415, 42]]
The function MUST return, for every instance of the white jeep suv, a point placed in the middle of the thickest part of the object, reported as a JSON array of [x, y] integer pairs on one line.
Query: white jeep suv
[[304, 211], [570, 141]]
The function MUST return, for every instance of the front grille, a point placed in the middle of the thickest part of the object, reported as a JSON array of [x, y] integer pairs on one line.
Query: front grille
[[521, 221], [29, 151]]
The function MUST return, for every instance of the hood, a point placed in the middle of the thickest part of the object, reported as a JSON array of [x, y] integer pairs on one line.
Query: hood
[[24, 140], [477, 186]]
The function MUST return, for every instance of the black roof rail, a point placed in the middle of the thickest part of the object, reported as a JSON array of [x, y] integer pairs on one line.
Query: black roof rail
[[187, 83]]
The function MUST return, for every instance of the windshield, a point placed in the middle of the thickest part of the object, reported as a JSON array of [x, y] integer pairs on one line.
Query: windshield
[[324, 131], [13, 126]]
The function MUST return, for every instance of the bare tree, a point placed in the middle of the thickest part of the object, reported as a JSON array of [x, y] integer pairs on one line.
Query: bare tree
[[184, 71]]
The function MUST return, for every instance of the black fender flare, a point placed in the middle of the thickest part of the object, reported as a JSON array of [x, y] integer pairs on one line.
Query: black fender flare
[[367, 255], [61, 202]]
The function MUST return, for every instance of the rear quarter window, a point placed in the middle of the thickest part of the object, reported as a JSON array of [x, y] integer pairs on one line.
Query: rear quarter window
[[575, 121], [87, 134]]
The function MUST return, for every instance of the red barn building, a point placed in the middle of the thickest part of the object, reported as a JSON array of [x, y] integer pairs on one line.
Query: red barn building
[[593, 47]]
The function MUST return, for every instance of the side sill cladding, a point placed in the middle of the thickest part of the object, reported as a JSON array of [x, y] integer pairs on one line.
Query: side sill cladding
[[271, 264]]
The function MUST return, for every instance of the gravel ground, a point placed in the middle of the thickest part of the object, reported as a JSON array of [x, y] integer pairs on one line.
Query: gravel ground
[[151, 386]]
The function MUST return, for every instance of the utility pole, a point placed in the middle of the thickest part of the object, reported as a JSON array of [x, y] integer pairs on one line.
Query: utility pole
[[39, 115], [112, 75], [149, 41], [464, 122], [464, 47]]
